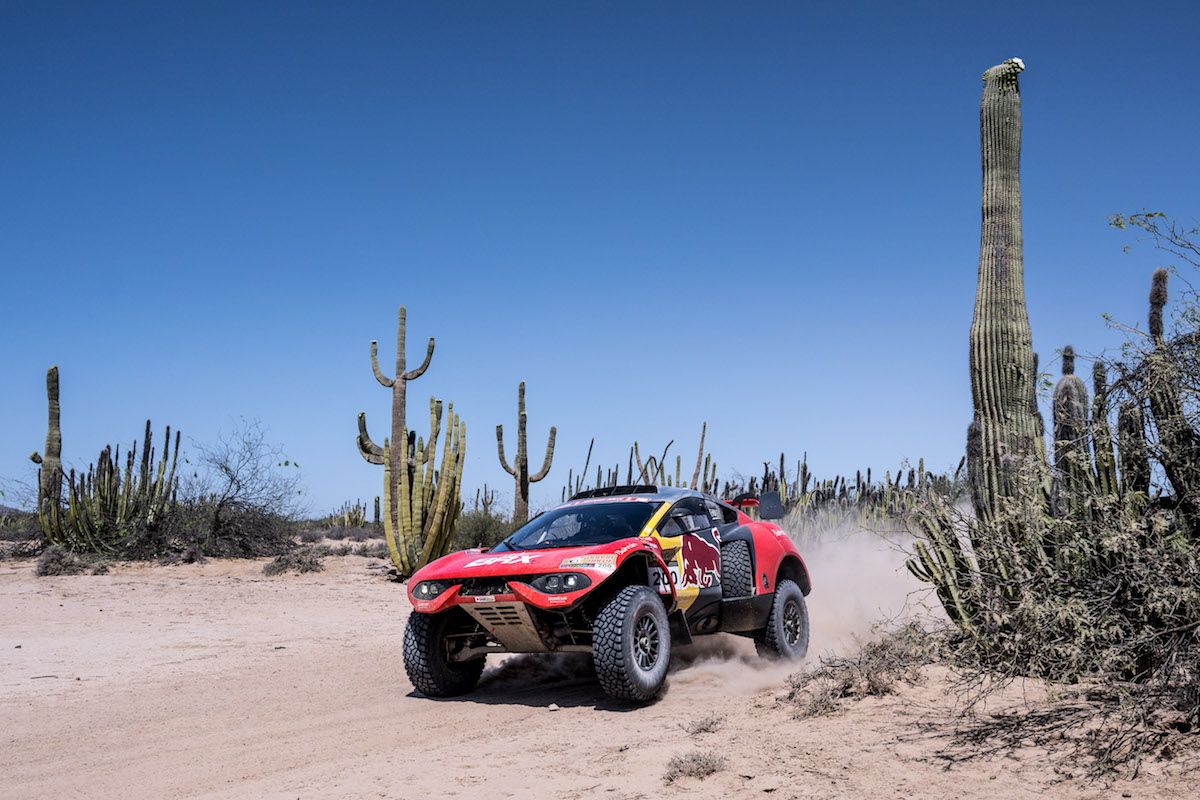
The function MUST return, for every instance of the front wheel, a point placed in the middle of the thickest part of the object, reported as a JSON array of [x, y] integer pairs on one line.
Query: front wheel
[[786, 634], [427, 660], [631, 644]]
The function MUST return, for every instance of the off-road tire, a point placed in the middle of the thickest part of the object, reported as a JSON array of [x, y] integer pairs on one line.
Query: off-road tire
[[620, 654], [786, 634], [425, 661], [737, 571]]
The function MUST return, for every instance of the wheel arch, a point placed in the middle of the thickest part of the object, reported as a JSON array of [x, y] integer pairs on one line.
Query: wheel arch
[[793, 568]]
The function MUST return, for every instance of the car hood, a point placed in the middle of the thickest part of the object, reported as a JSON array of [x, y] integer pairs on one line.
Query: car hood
[[479, 563]]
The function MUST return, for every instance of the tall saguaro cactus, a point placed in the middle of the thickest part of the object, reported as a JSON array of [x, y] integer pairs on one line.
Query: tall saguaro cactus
[[421, 502], [1005, 432], [520, 467], [51, 476]]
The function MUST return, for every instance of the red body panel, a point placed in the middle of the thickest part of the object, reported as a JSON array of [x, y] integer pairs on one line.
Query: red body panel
[[598, 562]]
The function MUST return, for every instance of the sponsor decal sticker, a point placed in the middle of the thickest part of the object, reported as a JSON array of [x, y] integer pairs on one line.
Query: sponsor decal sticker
[[511, 558], [556, 600], [484, 598], [596, 561]]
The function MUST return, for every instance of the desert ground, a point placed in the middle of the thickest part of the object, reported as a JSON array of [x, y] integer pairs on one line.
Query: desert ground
[[214, 681]]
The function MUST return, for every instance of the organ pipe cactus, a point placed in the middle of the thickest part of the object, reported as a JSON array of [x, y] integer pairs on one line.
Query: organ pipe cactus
[[520, 467], [105, 510], [1003, 374], [1132, 449], [1179, 445], [1102, 441], [421, 501], [1071, 462]]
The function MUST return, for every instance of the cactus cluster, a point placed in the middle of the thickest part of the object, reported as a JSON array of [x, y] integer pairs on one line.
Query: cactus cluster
[[107, 507], [350, 515], [519, 469], [1035, 560], [421, 499], [653, 471]]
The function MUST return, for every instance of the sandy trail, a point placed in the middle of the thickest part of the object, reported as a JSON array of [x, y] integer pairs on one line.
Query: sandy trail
[[215, 681]]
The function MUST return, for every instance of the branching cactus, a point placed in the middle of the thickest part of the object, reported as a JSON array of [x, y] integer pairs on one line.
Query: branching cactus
[[1001, 344], [421, 501], [520, 467]]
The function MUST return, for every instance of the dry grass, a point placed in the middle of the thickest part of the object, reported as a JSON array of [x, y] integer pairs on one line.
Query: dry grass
[[696, 764]]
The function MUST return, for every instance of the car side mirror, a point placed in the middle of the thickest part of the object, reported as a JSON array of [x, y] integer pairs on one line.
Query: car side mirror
[[770, 506]]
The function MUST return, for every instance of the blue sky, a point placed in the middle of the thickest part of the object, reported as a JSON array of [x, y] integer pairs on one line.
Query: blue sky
[[762, 215]]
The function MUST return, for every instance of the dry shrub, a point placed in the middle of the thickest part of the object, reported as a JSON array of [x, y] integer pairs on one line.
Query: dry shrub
[[894, 658], [311, 536], [299, 561], [706, 724], [56, 560], [696, 764], [372, 550]]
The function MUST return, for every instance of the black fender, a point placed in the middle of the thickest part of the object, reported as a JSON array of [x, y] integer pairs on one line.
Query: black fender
[[742, 533]]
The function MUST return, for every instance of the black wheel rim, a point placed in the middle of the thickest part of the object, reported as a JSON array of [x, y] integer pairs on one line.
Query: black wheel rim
[[645, 642], [791, 622]]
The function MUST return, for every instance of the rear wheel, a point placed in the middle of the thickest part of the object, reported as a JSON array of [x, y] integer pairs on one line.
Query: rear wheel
[[786, 634], [631, 644], [427, 661]]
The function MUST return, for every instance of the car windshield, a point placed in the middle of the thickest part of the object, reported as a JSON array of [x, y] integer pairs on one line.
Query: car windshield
[[580, 524]]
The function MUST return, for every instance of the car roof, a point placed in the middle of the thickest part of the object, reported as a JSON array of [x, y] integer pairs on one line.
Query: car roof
[[651, 492]]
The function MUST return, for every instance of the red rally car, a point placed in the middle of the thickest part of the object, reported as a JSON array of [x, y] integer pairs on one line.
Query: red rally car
[[621, 573]]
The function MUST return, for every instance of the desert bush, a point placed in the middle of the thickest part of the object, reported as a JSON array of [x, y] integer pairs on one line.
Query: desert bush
[[481, 529], [56, 560], [358, 534], [893, 658], [696, 764], [299, 561], [310, 536]]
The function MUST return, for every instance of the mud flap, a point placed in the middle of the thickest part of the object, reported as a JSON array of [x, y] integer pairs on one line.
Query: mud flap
[[679, 629]]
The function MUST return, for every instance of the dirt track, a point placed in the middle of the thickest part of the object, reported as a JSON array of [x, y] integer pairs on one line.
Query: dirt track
[[214, 681]]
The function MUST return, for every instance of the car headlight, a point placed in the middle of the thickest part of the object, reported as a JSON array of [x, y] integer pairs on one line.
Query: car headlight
[[561, 582], [427, 590]]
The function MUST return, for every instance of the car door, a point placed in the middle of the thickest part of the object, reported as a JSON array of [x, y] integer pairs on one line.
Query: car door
[[692, 551]]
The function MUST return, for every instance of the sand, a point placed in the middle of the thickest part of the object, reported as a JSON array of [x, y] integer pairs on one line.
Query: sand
[[215, 681]]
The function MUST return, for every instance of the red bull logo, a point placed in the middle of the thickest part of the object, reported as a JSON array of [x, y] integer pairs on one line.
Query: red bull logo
[[700, 562]]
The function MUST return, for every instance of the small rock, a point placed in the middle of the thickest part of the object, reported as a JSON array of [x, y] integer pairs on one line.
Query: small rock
[[552, 707]]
